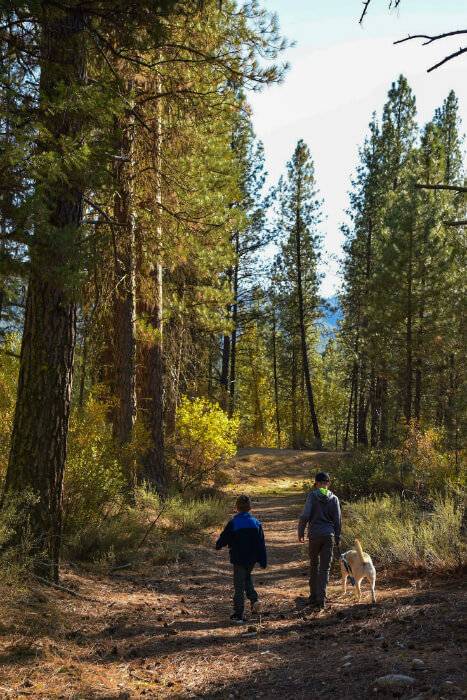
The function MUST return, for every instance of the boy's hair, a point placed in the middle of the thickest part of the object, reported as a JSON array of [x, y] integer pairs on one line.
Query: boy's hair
[[322, 478], [243, 503]]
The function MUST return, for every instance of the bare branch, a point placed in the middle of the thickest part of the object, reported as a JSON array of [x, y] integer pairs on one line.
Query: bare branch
[[365, 8], [448, 58], [455, 223], [430, 38], [436, 37]]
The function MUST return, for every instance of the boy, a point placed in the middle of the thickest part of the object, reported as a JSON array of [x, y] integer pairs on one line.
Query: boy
[[244, 536], [322, 513]]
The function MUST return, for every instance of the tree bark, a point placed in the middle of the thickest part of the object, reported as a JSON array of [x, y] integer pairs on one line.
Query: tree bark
[[355, 407], [409, 349], [224, 378], [154, 466], [124, 306], [40, 427], [362, 407], [173, 388], [233, 340], [276, 383], [383, 428], [293, 396], [153, 463], [349, 412]]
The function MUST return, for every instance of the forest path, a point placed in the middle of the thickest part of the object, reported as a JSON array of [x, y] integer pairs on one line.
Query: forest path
[[166, 633]]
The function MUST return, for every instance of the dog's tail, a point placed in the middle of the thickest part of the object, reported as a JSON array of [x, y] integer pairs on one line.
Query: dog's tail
[[359, 550]]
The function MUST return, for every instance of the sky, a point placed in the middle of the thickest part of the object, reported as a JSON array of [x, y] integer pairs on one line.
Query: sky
[[340, 73]]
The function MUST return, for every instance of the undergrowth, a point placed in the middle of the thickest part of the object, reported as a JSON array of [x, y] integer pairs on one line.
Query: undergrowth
[[398, 531], [150, 528]]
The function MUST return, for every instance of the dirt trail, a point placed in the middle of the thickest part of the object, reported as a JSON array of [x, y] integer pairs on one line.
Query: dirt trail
[[166, 634]]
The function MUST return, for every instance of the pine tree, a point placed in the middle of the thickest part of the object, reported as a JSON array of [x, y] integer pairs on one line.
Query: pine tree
[[299, 214]]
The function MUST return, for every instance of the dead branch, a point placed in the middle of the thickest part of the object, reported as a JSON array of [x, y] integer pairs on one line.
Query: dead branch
[[429, 39], [447, 58], [64, 589], [365, 8]]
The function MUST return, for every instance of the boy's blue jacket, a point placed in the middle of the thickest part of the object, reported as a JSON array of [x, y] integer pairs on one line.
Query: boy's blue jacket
[[244, 536]]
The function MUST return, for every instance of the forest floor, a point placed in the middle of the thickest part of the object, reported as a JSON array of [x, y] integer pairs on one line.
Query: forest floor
[[165, 633]]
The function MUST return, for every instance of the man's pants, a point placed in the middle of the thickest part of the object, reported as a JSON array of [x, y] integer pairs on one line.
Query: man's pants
[[243, 583], [320, 549]]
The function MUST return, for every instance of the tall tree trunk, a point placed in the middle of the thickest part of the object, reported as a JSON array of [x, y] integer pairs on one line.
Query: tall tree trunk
[[355, 406], [124, 306], [40, 427], [233, 342], [374, 405], [224, 378], [293, 396], [302, 409], [153, 463], [409, 349], [450, 402], [174, 391], [349, 412], [301, 318], [362, 406], [384, 421], [418, 389], [276, 383]]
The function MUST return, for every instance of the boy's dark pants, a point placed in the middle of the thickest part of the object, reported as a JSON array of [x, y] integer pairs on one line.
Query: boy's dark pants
[[320, 549], [243, 583]]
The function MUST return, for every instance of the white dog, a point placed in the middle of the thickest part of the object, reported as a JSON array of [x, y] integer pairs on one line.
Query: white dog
[[362, 567]]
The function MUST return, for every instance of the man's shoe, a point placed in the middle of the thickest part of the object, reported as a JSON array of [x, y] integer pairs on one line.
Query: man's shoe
[[256, 607], [237, 619]]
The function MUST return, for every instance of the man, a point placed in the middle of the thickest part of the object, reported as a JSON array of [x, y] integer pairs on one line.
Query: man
[[322, 513]]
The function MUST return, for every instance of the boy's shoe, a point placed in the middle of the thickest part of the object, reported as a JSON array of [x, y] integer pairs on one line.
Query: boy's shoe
[[237, 619], [256, 607]]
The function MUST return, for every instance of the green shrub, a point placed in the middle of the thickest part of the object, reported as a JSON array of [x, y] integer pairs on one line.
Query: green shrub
[[94, 477], [398, 531], [205, 439], [366, 472], [419, 466]]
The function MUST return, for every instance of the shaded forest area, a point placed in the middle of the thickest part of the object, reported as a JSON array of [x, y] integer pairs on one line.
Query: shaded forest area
[[160, 305]]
